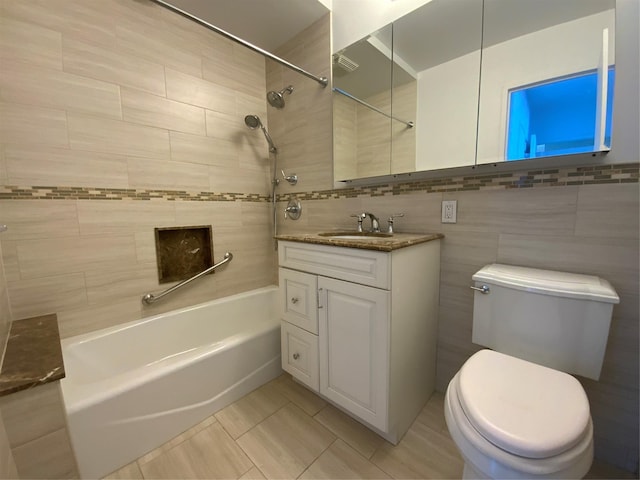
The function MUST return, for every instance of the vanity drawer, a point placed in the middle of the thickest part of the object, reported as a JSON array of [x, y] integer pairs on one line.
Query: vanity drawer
[[299, 299], [300, 355], [366, 267]]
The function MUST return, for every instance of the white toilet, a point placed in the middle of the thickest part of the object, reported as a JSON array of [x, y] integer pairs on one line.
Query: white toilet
[[512, 411]]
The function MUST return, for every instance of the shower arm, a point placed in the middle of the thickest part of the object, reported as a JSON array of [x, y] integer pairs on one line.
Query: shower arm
[[321, 80]]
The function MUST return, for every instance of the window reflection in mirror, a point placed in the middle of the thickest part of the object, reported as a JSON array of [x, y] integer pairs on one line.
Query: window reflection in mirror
[[547, 78]]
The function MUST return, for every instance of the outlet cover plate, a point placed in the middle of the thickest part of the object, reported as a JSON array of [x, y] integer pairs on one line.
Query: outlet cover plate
[[449, 211]]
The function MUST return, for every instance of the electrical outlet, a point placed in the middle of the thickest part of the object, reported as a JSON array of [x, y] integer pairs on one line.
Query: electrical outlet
[[449, 211]]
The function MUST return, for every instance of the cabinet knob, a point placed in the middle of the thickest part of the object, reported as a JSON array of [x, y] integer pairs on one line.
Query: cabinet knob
[[294, 300], [296, 356]]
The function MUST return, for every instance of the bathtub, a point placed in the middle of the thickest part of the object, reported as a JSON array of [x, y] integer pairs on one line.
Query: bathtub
[[130, 388]]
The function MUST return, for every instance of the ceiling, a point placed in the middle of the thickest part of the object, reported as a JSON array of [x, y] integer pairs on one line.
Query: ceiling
[[265, 23]]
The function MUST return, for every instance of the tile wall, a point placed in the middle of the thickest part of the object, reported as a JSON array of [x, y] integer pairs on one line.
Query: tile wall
[[118, 117], [139, 104]]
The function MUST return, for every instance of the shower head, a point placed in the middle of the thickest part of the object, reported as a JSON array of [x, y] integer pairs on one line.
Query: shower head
[[276, 99], [253, 122]]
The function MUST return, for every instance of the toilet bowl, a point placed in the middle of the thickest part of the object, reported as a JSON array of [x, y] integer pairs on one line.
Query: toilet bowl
[[511, 418]]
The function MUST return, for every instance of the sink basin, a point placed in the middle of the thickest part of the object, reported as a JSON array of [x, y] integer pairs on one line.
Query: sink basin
[[367, 236]]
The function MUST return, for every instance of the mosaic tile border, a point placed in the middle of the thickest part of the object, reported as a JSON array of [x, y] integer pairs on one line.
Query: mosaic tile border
[[13, 192], [557, 177], [591, 175]]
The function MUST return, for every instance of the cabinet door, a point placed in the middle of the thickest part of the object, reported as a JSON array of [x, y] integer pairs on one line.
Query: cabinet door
[[299, 299], [354, 352]]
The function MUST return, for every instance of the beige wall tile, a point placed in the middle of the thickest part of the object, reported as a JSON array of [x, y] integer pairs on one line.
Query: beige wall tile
[[32, 125], [202, 93], [55, 256], [203, 150], [158, 44], [153, 174], [42, 165], [35, 219], [114, 285], [46, 294], [216, 214], [33, 413], [77, 20], [97, 217], [231, 127], [116, 137], [111, 64], [47, 457], [608, 211], [245, 73], [525, 211], [26, 42], [76, 321], [236, 180], [10, 260], [45, 87], [147, 109], [145, 246]]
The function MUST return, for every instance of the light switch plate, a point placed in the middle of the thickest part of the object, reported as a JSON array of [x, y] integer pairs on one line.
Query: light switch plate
[[449, 211]]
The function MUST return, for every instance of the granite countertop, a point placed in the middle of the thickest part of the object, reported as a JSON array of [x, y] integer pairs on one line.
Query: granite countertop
[[33, 355], [381, 243]]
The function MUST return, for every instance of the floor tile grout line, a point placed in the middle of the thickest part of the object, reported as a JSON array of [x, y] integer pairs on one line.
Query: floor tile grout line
[[320, 454]]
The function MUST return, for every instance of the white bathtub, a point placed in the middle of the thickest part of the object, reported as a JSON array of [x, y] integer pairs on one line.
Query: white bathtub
[[128, 389]]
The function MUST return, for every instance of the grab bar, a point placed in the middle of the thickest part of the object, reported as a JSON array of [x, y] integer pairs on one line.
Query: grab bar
[[149, 298]]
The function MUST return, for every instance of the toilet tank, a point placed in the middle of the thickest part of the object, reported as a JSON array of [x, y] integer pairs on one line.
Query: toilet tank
[[560, 320]]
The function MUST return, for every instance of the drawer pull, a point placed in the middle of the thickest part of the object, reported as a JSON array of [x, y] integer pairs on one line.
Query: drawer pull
[[294, 300], [296, 356]]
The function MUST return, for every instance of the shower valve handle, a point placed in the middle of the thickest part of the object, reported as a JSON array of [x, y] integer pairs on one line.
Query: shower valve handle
[[292, 179]]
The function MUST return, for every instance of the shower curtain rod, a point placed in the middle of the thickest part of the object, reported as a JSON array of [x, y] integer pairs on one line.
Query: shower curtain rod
[[375, 109], [321, 80]]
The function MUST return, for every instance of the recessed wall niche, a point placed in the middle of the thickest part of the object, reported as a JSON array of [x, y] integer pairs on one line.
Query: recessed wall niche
[[182, 252]]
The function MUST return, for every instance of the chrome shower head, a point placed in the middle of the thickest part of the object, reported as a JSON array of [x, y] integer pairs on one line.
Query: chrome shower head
[[253, 122], [276, 99]]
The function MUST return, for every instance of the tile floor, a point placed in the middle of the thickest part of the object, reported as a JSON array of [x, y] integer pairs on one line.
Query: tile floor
[[284, 431]]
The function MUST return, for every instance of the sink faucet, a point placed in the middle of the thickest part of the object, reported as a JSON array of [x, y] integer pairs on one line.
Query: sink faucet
[[375, 223]]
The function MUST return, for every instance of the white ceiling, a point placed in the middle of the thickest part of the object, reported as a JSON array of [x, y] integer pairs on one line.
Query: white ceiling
[[265, 23]]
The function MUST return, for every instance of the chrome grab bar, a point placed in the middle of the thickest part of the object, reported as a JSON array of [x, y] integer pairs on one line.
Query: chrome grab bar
[[150, 298]]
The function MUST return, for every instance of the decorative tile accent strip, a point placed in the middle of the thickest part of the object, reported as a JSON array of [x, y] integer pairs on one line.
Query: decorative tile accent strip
[[600, 174], [11, 192], [591, 175]]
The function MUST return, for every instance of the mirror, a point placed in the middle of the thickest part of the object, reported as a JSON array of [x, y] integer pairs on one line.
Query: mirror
[[434, 91], [547, 79]]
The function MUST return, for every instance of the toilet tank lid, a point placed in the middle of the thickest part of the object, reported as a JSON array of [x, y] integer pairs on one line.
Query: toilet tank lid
[[548, 282]]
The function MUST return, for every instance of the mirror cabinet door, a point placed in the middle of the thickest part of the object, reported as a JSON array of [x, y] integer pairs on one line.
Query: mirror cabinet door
[[547, 78], [362, 107], [436, 51]]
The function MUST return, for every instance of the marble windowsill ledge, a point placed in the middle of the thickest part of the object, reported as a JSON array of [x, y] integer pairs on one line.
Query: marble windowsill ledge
[[33, 355], [382, 244]]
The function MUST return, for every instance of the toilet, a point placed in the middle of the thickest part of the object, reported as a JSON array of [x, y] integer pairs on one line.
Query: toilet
[[514, 410]]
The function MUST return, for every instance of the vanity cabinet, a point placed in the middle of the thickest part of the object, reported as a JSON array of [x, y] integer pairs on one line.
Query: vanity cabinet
[[359, 327]]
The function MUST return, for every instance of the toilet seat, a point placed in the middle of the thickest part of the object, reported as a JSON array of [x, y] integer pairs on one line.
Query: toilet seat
[[526, 409], [496, 462]]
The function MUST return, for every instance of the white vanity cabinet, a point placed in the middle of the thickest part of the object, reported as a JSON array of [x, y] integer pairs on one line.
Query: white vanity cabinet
[[359, 327]]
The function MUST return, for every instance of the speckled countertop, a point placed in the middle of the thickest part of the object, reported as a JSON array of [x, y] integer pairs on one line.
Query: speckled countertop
[[33, 355], [381, 243]]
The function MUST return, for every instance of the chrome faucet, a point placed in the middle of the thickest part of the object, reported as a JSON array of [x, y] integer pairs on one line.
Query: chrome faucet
[[375, 223]]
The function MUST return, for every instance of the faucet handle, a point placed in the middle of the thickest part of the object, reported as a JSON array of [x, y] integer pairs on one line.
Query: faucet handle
[[395, 215], [360, 217]]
